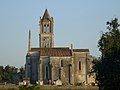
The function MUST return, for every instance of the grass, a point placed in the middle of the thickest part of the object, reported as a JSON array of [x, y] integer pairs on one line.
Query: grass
[[34, 87], [47, 87]]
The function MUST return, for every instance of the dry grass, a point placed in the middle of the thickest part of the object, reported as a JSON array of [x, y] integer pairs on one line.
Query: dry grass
[[48, 87], [68, 87]]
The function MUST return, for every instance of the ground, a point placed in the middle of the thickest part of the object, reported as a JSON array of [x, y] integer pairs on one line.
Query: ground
[[16, 87]]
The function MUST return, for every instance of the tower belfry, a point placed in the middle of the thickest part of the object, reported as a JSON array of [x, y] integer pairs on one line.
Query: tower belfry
[[46, 31]]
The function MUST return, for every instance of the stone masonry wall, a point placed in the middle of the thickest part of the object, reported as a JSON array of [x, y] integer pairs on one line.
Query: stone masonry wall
[[62, 70]]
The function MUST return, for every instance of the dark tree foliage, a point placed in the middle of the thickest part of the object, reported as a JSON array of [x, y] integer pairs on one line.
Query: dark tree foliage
[[22, 69], [6, 72], [1, 72], [107, 69]]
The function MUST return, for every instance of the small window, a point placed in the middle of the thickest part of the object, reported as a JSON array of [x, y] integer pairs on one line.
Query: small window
[[45, 28], [46, 72], [59, 73], [61, 63], [48, 28], [44, 39], [79, 65]]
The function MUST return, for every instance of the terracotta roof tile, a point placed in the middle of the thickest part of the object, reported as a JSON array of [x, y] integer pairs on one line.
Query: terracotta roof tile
[[56, 52], [80, 50], [35, 49]]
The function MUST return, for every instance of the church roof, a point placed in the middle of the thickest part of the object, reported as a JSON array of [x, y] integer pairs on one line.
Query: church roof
[[80, 50], [46, 15], [55, 52], [35, 49]]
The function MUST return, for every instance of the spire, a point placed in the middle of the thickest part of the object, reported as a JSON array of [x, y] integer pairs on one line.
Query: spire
[[29, 41], [46, 15]]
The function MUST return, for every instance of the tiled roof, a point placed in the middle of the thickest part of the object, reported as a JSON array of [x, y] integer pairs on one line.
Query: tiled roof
[[35, 49], [56, 52], [80, 50]]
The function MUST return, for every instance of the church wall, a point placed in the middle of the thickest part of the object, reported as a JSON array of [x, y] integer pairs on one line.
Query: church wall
[[60, 70], [27, 67], [33, 67], [46, 69], [80, 67], [91, 78], [82, 72]]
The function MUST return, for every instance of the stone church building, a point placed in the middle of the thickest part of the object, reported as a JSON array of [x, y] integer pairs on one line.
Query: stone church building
[[47, 64]]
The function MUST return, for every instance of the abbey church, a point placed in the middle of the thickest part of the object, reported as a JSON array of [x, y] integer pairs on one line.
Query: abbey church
[[48, 64]]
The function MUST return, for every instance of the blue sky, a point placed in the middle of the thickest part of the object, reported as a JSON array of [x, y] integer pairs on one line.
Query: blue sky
[[79, 22]]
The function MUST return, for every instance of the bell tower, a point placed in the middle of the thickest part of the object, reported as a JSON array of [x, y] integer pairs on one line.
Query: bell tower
[[46, 35]]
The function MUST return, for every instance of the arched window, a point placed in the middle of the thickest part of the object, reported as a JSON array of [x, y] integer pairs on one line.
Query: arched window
[[79, 65], [61, 63], [48, 28], [45, 45], [59, 73], [46, 72], [45, 28]]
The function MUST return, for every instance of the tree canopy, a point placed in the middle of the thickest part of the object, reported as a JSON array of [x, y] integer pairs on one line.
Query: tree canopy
[[107, 69], [7, 72]]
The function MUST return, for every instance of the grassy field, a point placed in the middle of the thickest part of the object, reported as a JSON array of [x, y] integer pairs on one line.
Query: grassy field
[[47, 87], [69, 87]]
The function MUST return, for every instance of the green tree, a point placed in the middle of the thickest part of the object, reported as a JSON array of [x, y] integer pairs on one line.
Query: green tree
[[1, 69], [1, 72], [22, 69], [14, 69], [107, 69], [6, 76], [0, 77], [8, 69]]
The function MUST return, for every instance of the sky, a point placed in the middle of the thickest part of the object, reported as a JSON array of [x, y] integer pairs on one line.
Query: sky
[[77, 22]]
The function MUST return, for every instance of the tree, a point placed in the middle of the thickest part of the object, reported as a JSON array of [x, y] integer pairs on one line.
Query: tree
[[22, 69], [1, 69], [1, 72], [14, 69], [6, 76], [8, 69], [107, 69]]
